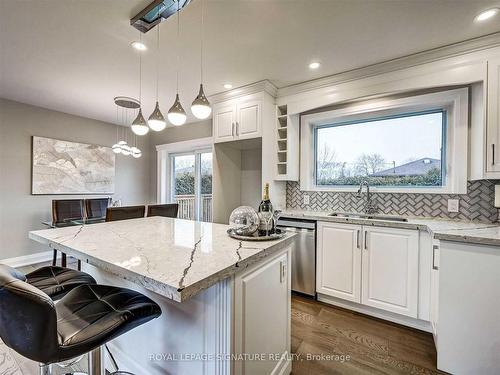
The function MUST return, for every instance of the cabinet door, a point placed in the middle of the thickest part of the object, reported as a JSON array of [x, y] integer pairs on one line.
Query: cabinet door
[[434, 311], [224, 120], [390, 270], [248, 124], [339, 261], [493, 117], [262, 315]]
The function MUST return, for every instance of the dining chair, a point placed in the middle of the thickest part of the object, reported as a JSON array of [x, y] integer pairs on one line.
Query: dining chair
[[63, 211], [95, 208], [125, 213], [166, 210]]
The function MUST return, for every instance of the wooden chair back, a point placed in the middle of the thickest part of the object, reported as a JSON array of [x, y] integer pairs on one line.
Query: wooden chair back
[[125, 213], [95, 208], [166, 210], [64, 210]]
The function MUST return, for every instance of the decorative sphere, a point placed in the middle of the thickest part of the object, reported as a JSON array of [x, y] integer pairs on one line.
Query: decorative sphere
[[244, 220]]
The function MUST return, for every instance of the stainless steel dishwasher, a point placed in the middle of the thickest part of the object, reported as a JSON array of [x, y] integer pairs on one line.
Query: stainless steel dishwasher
[[303, 255]]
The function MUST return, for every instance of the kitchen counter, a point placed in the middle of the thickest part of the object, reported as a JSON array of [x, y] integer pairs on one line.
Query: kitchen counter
[[449, 230], [172, 257]]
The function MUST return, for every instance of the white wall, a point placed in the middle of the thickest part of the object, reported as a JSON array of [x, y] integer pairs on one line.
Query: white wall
[[20, 211], [251, 177]]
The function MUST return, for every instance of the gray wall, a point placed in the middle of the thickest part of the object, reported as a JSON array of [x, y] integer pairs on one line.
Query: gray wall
[[20, 211], [174, 134]]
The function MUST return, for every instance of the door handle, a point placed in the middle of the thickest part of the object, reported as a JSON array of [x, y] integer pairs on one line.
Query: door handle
[[232, 129], [366, 236], [237, 128], [357, 238], [434, 248], [493, 154]]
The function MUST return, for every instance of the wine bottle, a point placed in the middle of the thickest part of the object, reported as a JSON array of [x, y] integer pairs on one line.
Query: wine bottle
[[266, 223]]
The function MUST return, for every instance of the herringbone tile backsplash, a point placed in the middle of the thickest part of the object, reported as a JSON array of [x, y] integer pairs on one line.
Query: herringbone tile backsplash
[[476, 205]]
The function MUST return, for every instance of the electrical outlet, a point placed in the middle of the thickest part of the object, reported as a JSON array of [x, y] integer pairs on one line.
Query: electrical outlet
[[306, 199], [453, 205]]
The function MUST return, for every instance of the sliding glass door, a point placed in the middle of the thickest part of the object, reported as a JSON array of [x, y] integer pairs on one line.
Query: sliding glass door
[[191, 184]]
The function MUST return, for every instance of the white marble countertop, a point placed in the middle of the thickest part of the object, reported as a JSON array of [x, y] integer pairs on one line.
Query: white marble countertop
[[450, 230], [172, 257]]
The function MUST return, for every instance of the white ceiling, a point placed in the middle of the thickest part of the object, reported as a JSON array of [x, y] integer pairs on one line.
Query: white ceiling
[[74, 56]]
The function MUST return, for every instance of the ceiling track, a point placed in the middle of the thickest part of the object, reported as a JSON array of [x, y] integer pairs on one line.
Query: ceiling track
[[156, 12]]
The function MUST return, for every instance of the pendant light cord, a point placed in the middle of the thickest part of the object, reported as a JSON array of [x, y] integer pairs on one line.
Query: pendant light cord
[[140, 73], [201, 44], [178, 44], [158, 55]]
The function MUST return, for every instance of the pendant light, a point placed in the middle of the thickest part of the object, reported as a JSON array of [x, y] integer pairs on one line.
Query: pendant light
[[117, 149], [156, 121], [176, 114], [139, 125], [136, 152], [201, 107]]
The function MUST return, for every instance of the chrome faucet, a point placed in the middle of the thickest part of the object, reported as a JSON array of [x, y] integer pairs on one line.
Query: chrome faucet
[[370, 207]]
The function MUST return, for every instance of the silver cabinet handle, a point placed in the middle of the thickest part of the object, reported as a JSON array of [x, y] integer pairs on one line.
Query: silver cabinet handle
[[237, 128], [357, 238], [232, 129], [493, 154], [434, 248], [366, 236]]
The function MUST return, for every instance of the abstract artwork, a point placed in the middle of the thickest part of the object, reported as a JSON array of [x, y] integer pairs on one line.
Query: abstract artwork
[[61, 167]]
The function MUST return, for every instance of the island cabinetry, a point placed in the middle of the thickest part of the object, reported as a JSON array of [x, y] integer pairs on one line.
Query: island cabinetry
[[369, 265], [262, 316]]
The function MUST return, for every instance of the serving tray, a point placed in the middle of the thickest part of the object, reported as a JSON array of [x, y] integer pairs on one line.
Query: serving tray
[[255, 237]]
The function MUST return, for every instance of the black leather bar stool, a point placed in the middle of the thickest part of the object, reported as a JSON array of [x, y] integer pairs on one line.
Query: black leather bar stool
[[83, 320], [53, 280]]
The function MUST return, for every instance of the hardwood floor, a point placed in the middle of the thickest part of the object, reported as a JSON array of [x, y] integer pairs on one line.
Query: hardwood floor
[[356, 343]]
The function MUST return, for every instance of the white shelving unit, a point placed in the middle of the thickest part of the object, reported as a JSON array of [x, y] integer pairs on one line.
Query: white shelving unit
[[287, 150]]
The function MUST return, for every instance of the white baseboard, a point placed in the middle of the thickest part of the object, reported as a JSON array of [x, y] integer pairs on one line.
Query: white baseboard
[[28, 260], [377, 313], [124, 361]]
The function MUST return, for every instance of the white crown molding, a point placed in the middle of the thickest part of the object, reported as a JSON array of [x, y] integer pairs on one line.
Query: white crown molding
[[261, 86], [436, 54]]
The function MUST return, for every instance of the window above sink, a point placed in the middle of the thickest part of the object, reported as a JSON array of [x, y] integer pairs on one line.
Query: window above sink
[[414, 144]]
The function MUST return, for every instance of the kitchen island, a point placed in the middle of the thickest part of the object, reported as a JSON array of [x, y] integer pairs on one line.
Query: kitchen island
[[225, 303]]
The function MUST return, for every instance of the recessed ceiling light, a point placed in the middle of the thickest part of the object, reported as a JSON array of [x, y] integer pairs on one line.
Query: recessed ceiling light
[[139, 46], [314, 65], [487, 14], [228, 86]]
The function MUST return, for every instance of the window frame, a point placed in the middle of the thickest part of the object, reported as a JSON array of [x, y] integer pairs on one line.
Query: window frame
[[455, 105], [381, 118], [197, 177]]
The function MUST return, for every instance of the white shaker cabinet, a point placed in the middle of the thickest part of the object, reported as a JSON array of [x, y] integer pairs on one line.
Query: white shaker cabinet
[[339, 261], [493, 117], [263, 304], [224, 118], [238, 119], [390, 270], [372, 266]]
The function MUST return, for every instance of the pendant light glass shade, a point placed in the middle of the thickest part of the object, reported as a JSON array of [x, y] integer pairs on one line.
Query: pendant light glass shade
[[156, 121], [139, 125], [176, 114], [201, 107], [117, 149]]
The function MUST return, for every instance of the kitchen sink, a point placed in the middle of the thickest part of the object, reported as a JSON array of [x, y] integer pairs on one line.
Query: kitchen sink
[[368, 216]]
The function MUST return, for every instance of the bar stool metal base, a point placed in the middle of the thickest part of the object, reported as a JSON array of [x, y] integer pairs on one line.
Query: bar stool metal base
[[45, 369]]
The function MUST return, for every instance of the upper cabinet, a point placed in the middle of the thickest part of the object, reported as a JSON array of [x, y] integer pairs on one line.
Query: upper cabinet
[[493, 117], [238, 119]]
